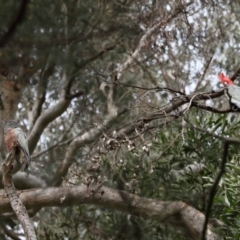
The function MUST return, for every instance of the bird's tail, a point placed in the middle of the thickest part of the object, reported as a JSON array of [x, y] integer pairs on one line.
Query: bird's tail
[[27, 161]]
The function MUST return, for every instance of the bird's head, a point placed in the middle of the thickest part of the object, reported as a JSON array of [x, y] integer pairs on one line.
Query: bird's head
[[9, 124], [224, 79]]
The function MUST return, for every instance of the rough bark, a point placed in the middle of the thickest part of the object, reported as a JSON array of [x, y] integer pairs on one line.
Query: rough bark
[[14, 199], [179, 215]]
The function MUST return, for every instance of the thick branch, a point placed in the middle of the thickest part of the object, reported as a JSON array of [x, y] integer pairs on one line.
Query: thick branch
[[23, 180], [41, 94], [87, 137], [52, 113], [14, 199], [46, 117], [177, 214]]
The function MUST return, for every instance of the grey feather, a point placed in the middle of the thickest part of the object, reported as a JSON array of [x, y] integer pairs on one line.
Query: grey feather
[[234, 94]]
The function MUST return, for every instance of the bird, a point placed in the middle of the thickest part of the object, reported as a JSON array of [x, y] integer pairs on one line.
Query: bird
[[233, 91], [15, 139]]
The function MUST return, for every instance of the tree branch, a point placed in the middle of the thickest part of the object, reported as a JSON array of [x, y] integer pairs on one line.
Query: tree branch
[[9, 233], [14, 24], [14, 199], [177, 102], [49, 115], [46, 117], [236, 74], [86, 138], [213, 190], [41, 93], [207, 64], [176, 214], [52, 113], [149, 32], [212, 109], [191, 169]]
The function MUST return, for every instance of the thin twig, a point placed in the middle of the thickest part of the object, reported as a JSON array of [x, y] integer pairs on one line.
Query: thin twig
[[149, 89], [204, 73], [226, 144], [236, 74], [143, 41]]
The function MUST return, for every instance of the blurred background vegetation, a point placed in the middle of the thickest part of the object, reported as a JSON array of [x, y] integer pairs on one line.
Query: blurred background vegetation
[[85, 41]]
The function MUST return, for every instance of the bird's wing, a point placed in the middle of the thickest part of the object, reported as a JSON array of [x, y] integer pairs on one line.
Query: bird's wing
[[22, 140], [234, 92]]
